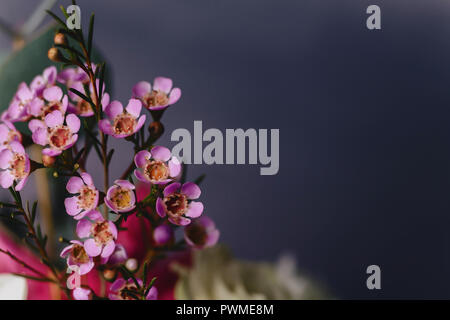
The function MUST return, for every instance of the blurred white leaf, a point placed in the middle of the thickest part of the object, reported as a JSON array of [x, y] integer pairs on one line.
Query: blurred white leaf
[[12, 287]]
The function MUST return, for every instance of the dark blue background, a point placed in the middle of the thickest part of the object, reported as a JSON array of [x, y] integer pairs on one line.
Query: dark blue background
[[363, 117]]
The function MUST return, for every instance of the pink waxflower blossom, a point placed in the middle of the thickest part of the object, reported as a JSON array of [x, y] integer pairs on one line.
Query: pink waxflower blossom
[[18, 109], [80, 106], [15, 166], [160, 96], [55, 99], [68, 76], [101, 235], [177, 203], [54, 133], [86, 199], [157, 166], [201, 233], [8, 133], [46, 80], [122, 123], [77, 258], [120, 197], [121, 289]]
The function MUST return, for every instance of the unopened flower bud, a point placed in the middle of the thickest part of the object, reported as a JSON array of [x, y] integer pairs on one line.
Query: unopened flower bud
[[48, 161], [60, 38], [55, 55], [156, 128], [109, 274], [131, 265]]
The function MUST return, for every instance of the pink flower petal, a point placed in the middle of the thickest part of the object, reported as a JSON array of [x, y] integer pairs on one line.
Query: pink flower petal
[[108, 249], [141, 89], [162, 84], [84, 229], [113, 109], [6, 179], [35, 107], [171, 188], [40, 136], [72, 207], [35, 124], [54, 119], [113, 229], [21, 184], [140, 159], [86, 267], [141, 122], [160, 209], [161, 153], [125, 184], [174, 167], [91, 247], [134, 107], [140, 176], [87, 179], [17, 147], [180, 221], [105, 127], [152, 294], [195, 209], [191, 190], [174, 96], [53, 94], [73, 123], [74, 184], [66, 251], [51, 152], [5, 158]]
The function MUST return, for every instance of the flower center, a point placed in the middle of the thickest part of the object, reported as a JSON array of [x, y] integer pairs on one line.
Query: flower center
[[124, 124], [59, 137], [78, 254], [86, 199], [50, 107], [18, 165], [129, 292], [156, 170], [157, 98], [101, 232], [197, 234], [83, 106], [13, 136], [121, 198], [176, 204]]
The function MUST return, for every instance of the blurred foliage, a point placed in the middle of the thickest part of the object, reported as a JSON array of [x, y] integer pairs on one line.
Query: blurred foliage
[[30, 61]]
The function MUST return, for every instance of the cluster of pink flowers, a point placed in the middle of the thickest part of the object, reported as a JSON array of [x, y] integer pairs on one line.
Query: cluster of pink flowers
[[53, 113]]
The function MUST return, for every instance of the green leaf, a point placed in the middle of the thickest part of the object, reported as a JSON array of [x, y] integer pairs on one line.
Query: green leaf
[[109, 157], [81, 95], [90, 34], [200, 179], [57, 19], [33, 212]]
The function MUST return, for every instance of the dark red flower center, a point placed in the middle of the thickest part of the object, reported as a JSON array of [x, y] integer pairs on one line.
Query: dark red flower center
[[176, 204], [59, 137], [124, 124], [102, 233]]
